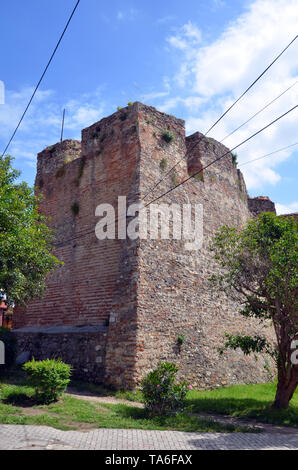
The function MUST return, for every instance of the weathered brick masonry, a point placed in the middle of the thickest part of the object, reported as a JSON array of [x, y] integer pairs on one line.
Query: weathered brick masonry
[[139, 295]]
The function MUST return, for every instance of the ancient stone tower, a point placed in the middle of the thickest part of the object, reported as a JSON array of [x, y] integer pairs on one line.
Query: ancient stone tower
[[118, 306]]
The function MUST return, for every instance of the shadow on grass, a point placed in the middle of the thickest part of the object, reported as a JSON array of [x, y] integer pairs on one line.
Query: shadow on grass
[[245, 408], [19, 399], [179, 422]]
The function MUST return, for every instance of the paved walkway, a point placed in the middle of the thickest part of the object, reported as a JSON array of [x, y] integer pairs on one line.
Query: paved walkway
[[45, 438]]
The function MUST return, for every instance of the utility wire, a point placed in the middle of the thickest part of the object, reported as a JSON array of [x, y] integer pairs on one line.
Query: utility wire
[[41, 78], [223, 155], [268, 154], [186, 180], [258, 112], [221, 117]]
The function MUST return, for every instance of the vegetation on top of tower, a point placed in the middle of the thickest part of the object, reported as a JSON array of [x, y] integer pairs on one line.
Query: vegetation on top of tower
[[234, 158]]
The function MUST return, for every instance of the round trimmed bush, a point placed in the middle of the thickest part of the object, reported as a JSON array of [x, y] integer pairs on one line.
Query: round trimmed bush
[[161, 394], [49, 378]]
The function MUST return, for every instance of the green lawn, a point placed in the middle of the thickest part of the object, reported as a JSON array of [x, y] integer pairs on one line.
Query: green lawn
[[246, 401], [17, 406]]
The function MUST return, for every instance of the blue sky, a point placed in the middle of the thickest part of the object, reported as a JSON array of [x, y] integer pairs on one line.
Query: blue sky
[[189, 58]]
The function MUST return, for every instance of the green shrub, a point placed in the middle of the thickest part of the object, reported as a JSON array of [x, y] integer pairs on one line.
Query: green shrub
[[10, 345], [130, 103], [49, 378], [161, 394], [168, 136]]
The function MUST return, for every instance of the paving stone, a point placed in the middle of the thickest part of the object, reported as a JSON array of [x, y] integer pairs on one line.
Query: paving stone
[[16, 437]]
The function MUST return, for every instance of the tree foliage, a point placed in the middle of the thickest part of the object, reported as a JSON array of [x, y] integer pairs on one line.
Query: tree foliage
[[25, 240], [260, 267]]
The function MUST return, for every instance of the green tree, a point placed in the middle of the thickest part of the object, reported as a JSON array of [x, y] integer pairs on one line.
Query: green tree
[[260, 271], [25, 240]]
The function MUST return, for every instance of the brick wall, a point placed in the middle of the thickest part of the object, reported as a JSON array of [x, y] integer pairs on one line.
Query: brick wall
[[260, 204], [146, 292]]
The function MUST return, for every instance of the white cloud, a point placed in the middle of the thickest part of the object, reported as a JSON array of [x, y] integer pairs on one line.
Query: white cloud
[[165, 19], [42, 124], [187, 37], [212, 76], [129, 14], [289, 209]]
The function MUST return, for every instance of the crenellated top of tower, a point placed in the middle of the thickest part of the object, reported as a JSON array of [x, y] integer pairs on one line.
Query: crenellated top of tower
[[144, 130]]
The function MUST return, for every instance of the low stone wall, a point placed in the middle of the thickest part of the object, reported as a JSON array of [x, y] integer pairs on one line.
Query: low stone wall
[[84, 348]]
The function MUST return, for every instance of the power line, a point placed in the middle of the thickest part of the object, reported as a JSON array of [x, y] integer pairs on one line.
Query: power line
[[186, 180], [258, 112], [41, 78], [223, 155], [221, 117], [268, 154]]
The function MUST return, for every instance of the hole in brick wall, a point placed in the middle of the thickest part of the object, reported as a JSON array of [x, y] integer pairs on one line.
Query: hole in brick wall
[[194, 165], [60, 172], [75, 208]]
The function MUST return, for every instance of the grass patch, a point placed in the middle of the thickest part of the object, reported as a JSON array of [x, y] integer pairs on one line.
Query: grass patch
[[245, 401], [74, 413], [129, 417], [17, 406]]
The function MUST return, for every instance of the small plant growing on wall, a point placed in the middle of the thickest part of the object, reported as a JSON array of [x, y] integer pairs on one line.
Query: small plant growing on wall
[[199, 176], [163, 164], [234, 159], [181, 339], [130, 103], [75, 208], [174, 178], [168, 136], [119, 107]]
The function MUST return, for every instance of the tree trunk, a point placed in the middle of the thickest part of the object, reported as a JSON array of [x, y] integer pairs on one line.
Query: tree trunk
[[284, 393]]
